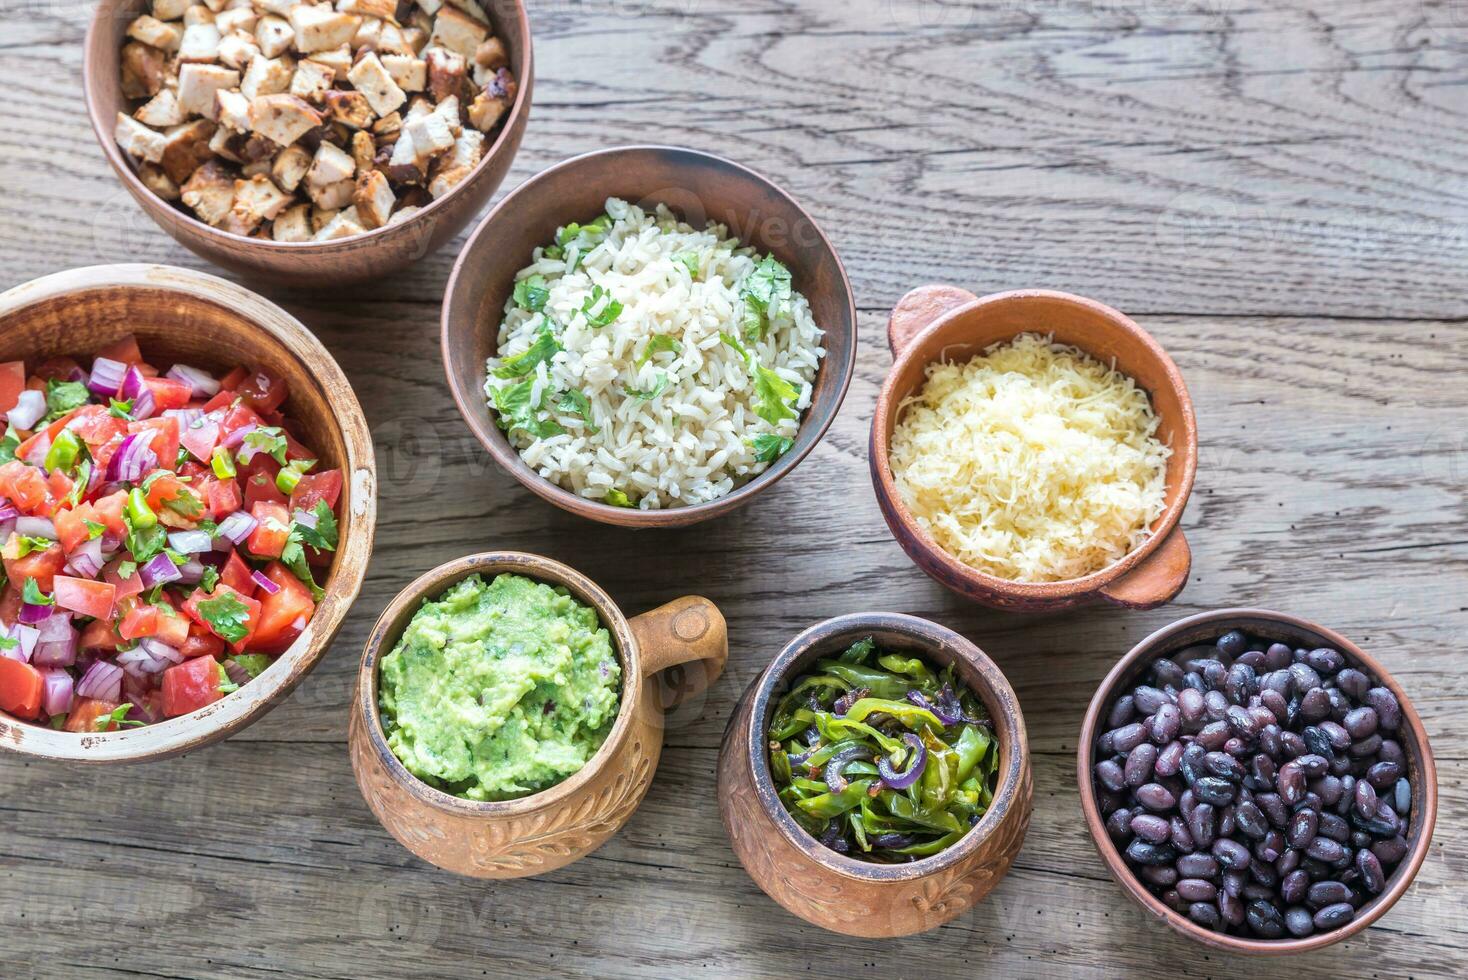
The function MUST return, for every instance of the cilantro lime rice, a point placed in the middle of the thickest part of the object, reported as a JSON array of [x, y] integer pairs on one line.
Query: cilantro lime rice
[[648, 364]]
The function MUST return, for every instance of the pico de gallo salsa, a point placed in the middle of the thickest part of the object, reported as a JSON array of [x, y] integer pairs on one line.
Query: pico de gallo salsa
[[161, 536]]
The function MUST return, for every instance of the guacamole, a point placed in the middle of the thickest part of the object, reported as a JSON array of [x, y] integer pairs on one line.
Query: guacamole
[[500, 690]]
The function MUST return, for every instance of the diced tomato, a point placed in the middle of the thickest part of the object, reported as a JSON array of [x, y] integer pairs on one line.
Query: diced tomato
[[221, 498], [296, 450], [87, 712], [190, 686], [20, 688], [12, 383], [167, 487], [42, 566], [283, 615], [237, 417], [165, 442], [200, 438], [268, 538], [25, 487], [251, 617], [168, 393], [231, 381], [314, 487], [140, 619], [47, 434], [202, 644], [131, 585], [195, 471], [71, 526], [260, 488], [124, 349], [221, 401], [236, 575], [94, 426], [60, 368], [173, 628], [85, 596], [59, 485], [109, 511], [10, 603], [262, 391], [99, 634]]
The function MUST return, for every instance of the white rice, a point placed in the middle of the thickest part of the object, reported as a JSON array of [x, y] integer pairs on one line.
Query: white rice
[[691, 443]]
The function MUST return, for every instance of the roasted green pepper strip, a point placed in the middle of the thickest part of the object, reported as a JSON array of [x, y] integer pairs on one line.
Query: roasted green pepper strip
[[829, 805], [909, 714]]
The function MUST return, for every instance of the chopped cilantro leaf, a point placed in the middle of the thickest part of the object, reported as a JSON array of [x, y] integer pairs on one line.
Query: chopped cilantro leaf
[[657, 344], [575, 403], [120, 409], [768, 448], [599, 314], [268, 439], [117, 718], [532, 293], [32, 594], [773, 393], [210, 578], [227, 616], [617, 498], [63, 397], [659, 386], [540, 351]]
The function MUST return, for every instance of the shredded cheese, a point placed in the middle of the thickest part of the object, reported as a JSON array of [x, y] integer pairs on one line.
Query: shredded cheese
[[1032, 461]]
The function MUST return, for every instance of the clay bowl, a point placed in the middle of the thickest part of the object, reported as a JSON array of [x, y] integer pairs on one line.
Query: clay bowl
[[685, 639], [699, 188], [946, 322], [199, 319], [845, 894], [324, 265], [1205, 628]]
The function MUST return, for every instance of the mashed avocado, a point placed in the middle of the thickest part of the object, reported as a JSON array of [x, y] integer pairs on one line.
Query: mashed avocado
[[500, 690]]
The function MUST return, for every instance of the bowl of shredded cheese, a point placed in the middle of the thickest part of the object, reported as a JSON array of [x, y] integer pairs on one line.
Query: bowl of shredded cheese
[[1034, 450]]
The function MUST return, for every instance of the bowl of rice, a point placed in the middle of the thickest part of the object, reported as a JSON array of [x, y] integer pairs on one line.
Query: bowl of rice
[[1034, 450], [648, 335]]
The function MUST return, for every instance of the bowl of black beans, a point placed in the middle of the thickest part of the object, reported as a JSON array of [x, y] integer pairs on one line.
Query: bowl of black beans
[[1256, 781]]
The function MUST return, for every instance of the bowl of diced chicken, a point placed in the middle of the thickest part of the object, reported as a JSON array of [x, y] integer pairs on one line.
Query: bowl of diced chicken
[[310, 143]]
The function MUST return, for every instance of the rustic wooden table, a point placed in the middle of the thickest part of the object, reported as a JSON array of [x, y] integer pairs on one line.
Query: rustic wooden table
[[1276, 190]]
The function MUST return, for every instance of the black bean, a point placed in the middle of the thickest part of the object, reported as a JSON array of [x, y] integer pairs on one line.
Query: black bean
[[1198, 866], [1366, 748], [1352, 683], [1181, 837], [1169, 760], [1171, 899], [1291, 783], [1303, 827], [1384, 774], [1299, 922], [1215, 705], [1232, 643], [1383, 823], [1149, 699], [1214, 790], [1388, 711], [1128, 737], [1226, 822], [1197, 890], [1334, 826], [1254, 891], [1237, 747], [1271, 740], [1139, 764], [1224, 766], [1368, 866], [1241, 722], [1251, 820], [1391, 751], [1231, 854], [1262, 772], [1253, 659], [1156, 797], [1325, 661], [1390, 852], [1288, 861], [1324, 893], [1318, 742], [1312, 765], [1151, 827], [1213, 735], [1277, 703], [1201, 824], [1402, 797], [1239, 682], [1119, 825], [1161, 875], [1205, 914], [1304, 676], [1314, 703], [1231, 908], [1190, 706], [1166, 673], [1338, 738], [1291, 744], [1325, 850], [1123, 710], [1294, 887], [1264, 919], [1143, 852], [1277, 656], [1334, 916], [1360, 722], [1166, 724], [1264, 874], [1360, 839], [1274, 808], [1365, 803], [1110, 775]]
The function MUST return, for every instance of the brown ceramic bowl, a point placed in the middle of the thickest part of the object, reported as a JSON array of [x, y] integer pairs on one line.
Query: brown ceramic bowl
[[381, 252], [698, 187], [550, 829], [946, 322], [179, 315], [845, 894], [1205, 628]]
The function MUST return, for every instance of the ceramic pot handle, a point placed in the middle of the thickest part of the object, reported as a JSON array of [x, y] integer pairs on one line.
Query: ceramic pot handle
[[920, 307], [687, 635], [1158, 579]]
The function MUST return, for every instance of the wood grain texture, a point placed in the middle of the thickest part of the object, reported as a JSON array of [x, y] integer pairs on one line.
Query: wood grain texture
[[1278, 192]]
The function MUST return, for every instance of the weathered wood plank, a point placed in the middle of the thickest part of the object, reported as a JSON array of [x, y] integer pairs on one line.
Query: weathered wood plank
[[1276, 191]]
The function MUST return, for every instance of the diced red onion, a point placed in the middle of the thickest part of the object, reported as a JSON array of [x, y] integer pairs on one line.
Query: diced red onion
[[110, 541], [263, 580], [236, 527], [145, 710], [158, 571], [139, 663], [199, 438], [56, 626], [77, 374], [107, 376], [14, 651], [305, 518], [234, 438], [162, 651], [56, 691], [36, 527], [132, 459], [25, 638], [33, 613], [102, 680], [134, 382], [191, 571], [57, 653], [28, 409], [87, 560], [202, 382], [190, 542], [8, 511], [6, 529], [186, 416], [144, 405]]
